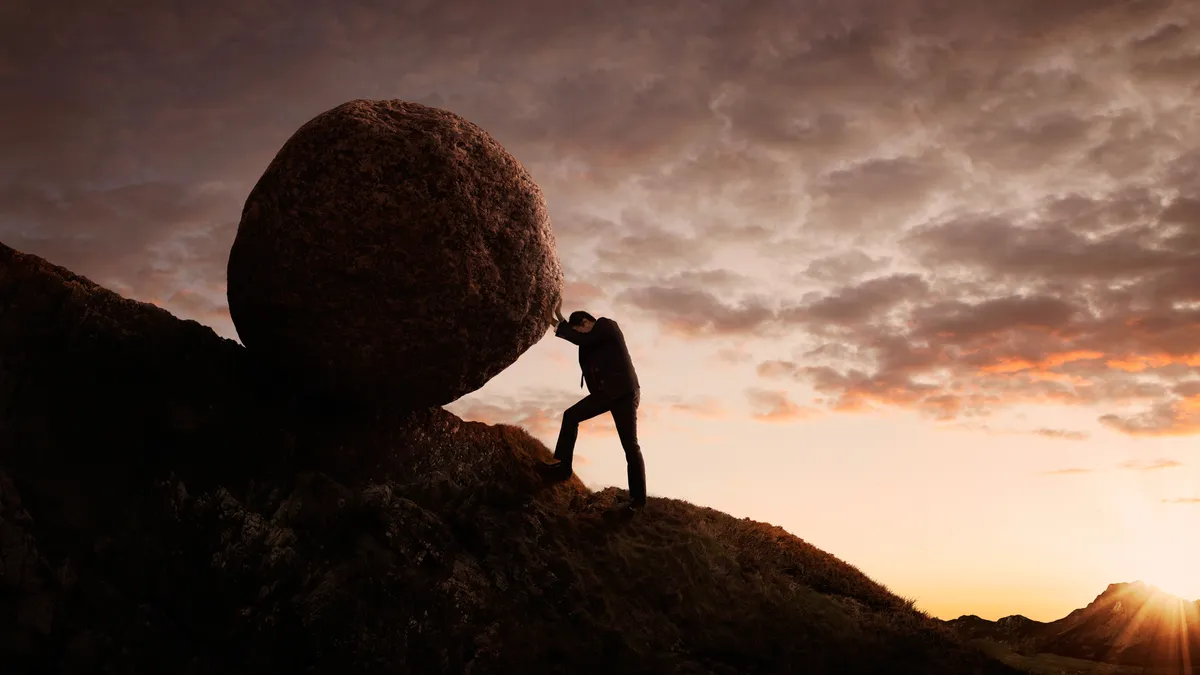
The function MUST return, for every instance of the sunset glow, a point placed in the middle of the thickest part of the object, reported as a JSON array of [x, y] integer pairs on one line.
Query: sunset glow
[[917, 281]]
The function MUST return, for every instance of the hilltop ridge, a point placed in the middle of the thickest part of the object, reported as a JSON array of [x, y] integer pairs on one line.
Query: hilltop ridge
[[168, 507]]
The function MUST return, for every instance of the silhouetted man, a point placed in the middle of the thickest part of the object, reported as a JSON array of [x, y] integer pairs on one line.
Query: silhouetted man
[[612, 387]]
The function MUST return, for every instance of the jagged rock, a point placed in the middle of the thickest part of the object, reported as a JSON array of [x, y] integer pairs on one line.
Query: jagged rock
[[165, 509], [393, 252]]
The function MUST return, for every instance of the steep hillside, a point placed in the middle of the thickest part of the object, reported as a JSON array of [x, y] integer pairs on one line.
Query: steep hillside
[[167, 506], [1131, 624]]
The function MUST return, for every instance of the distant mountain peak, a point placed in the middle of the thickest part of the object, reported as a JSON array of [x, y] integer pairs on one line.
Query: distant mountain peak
[[1015, 620], [1139, 590], [1130, 623], [1124, 587]]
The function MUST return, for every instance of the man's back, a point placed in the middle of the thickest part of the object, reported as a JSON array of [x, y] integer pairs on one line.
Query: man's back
[[604, 358]]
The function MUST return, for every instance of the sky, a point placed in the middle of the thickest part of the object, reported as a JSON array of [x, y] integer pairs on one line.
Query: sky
[[917, 280]]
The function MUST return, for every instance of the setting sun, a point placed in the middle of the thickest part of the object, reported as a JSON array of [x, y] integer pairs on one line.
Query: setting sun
[[1165, 558], [1175, 575]]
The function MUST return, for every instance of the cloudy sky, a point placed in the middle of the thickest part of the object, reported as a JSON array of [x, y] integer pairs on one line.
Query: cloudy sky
[[918, 280]]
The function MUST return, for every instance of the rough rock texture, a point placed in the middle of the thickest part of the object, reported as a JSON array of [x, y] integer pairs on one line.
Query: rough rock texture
[[393, 253], [164, 508]]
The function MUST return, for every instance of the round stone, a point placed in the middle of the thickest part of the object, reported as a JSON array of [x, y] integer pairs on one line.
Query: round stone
[[393, 253]]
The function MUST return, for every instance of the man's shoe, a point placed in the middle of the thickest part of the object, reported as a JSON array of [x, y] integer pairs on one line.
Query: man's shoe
[[556, 470], [636, 505]]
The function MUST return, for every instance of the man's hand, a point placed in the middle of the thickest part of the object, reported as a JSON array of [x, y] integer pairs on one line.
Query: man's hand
[[555, 317]]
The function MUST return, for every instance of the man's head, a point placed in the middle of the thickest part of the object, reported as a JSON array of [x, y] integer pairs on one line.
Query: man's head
[[581, 321]]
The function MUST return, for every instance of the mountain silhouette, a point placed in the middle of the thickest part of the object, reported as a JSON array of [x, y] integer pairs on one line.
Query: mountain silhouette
[[167, 506], [1132, 624]]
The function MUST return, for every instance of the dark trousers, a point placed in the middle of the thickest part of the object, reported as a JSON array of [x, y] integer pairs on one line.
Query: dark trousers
[[624, 412]]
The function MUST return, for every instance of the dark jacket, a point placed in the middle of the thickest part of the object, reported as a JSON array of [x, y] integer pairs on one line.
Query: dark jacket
[[603, 358]]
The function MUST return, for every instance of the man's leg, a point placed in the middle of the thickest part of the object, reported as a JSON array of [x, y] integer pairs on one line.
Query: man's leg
[[588, 407], [624, 412]]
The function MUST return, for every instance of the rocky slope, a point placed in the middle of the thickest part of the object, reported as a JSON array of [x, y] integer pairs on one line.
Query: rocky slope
[[166, 507], [1131, 624]]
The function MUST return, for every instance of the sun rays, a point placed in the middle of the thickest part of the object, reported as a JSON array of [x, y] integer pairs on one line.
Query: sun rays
[[1159, 631]]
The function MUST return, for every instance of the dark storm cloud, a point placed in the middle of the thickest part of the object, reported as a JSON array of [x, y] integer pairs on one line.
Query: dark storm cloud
[[849, 266], [860, 303], [693, 311], [878, 192], [652, 246], [690, 291], [1089, 299], [160, 241], [1074, 238], [1043, 148]]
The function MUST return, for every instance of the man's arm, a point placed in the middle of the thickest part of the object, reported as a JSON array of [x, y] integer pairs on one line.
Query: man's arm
[[602, 330]]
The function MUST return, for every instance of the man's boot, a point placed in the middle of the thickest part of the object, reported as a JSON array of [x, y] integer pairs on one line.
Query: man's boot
[[555, 470], [637, 481]]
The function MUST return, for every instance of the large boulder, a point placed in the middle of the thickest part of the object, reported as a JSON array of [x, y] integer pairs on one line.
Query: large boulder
[[393, 253]]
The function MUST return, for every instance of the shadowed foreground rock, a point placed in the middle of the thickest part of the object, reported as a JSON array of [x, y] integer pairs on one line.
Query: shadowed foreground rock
[[163, 509], [393, 253]]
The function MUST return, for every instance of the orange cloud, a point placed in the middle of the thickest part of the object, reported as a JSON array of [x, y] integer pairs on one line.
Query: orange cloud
[[776, 407], [1137, 363], [1151, 465], [1064, 434], [1071, 471], [1013, 365], [706, 408], [1180, 417], [581, 292]]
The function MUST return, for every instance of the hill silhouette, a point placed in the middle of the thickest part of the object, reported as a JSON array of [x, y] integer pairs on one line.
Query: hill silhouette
[[1131, 624], [166, 506]]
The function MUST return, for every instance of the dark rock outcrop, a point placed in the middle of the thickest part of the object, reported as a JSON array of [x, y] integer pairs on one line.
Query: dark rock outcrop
[[167, 508], [393, 253]]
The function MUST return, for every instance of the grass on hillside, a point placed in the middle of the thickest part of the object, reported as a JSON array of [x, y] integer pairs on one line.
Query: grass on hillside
[[679, 573]]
